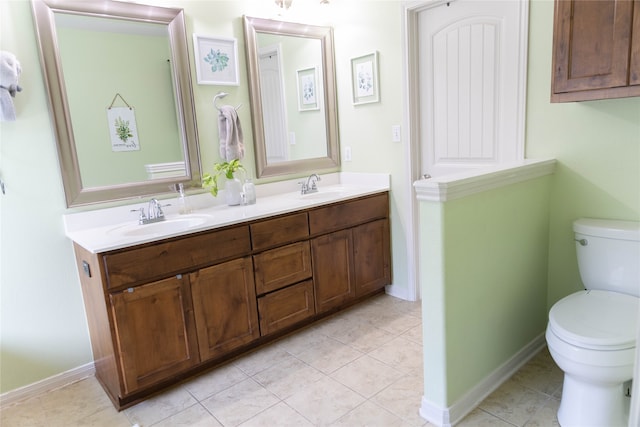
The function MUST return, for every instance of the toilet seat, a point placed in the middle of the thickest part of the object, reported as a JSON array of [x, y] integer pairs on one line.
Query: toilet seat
[[597, 320]]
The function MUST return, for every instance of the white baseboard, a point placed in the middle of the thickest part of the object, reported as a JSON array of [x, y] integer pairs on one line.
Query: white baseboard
[[399, 292], [46, 385], [447, 417]]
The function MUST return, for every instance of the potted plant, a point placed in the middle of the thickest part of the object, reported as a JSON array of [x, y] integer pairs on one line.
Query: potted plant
[[233, 185]]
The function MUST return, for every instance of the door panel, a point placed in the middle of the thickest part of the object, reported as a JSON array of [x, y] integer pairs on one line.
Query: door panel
[[471, 82]]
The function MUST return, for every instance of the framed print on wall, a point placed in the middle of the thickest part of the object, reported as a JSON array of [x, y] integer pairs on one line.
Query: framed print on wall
[[216, 60], [364, 79], [308, 89]]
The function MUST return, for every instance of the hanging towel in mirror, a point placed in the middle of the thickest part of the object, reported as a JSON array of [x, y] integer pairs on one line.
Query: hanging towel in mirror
[[230, 132]]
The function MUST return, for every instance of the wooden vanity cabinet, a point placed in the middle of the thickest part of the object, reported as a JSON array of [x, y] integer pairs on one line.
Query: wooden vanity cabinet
[[159, 312], [596, 50]]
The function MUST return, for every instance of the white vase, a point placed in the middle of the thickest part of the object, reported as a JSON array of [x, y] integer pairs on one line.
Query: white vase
[[233, 191]]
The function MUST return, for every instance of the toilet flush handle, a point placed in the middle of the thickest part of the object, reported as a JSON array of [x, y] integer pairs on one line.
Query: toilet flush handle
[[583, 242]]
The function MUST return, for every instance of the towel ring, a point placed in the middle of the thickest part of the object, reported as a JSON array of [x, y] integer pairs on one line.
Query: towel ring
[[222, 95]]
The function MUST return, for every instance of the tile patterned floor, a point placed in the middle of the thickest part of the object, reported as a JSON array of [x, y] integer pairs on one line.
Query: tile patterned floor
[[362, 367]]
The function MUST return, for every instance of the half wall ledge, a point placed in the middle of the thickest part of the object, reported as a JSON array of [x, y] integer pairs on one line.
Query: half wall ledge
[[457, 185]]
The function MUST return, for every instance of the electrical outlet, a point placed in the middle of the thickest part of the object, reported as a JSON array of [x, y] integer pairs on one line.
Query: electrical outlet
[[292, 138], [347, 154], [395, 133]]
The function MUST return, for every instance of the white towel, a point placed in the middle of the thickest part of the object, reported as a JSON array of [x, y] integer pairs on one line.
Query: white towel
[[9, 72], [230, 132]]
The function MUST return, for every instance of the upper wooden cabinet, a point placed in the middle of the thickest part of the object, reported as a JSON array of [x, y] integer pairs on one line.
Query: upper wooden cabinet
[[596, 50]]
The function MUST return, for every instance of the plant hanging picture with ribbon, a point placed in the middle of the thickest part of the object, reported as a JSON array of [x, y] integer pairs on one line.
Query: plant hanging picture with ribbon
[[122, 127]]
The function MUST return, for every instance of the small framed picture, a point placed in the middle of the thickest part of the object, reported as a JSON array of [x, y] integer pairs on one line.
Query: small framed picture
[[364, 79], [216, 60], [307, 89]]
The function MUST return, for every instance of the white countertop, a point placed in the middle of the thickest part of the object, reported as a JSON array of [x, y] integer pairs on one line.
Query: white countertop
[[115, 228]]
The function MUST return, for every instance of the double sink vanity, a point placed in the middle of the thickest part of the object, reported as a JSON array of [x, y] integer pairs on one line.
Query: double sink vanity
[[169, 299]]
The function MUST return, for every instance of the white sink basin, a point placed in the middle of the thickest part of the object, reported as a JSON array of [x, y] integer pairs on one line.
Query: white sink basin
[[323, 193], [168, 226]]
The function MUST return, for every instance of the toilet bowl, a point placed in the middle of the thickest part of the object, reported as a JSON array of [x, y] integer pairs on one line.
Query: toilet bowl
[[591, 334], [591, 337]]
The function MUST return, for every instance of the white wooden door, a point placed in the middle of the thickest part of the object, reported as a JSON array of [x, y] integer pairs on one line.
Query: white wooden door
[[274, 113], [472, 81]]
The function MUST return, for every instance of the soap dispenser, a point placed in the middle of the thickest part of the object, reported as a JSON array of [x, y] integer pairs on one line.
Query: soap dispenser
[[249, 192], [183, 204]]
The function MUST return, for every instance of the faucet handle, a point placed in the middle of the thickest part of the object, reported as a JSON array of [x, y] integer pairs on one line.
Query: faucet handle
[[303, 187], [142, 217], [159, 212]]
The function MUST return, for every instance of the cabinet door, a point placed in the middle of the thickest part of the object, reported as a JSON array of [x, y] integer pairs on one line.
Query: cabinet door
[[332, 259], [372, 256], [224, 303], [155, 337], [591, 44]]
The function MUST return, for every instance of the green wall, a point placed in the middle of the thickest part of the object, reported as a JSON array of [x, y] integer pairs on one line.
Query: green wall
[[484, 285]]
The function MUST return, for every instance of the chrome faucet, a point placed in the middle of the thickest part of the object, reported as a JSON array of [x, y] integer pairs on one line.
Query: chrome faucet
[[155, 212], [311, 186]]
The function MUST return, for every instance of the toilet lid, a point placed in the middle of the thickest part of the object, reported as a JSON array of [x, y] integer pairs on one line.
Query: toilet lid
[[596, 319]]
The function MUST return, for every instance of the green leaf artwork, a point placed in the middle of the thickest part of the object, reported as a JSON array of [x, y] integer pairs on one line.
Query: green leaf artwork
[[122, 129], [217, 59]]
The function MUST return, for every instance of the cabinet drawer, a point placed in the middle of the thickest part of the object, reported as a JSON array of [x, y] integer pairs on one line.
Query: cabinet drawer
[[278, 231], [343, 215], [286, 307], [277, 268], [163, 259]]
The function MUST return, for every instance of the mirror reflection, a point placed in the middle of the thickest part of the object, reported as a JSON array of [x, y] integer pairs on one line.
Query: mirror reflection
[[293, 100], [110, 68], [120, 92], [291, 87]]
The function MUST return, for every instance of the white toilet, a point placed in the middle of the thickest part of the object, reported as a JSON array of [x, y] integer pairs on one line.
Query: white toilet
[[591, 334]]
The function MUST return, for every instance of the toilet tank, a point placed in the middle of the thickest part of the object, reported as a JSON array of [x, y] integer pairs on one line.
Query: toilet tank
[[609, 254]]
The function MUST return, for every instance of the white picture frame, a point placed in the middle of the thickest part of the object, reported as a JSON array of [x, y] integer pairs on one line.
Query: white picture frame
[[364, 79], [123, 130], [216, 60], [308, 89]]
